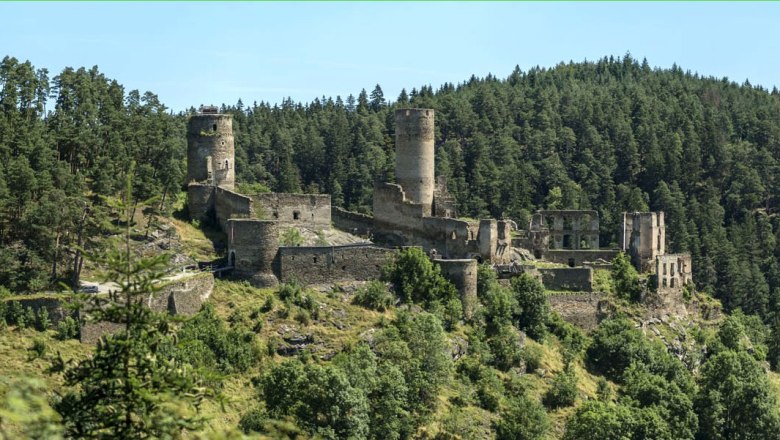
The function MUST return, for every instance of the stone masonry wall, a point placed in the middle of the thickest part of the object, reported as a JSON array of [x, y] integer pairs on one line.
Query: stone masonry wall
[[577, 279], [327, 264], [229, 204], [584, 311], [579, 256], [352, 222], [309, 210]]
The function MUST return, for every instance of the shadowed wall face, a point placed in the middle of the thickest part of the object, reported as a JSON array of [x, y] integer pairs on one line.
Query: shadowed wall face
[[414, 169]]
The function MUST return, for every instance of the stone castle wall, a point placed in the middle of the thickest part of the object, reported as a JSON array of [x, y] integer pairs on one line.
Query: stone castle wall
[[327, 264], [583, 310], [564, 256], [229, 204], [310, 210], [575, 279], [352, 222]]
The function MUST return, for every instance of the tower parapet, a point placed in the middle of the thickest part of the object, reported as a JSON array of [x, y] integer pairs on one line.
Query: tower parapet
[[414, 166], [211, 150]]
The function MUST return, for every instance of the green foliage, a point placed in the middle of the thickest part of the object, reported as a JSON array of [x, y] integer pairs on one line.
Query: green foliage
[[533, 307], [417, 280], [291, 237], [735, 399], [25, 405], [626, 278], [126, 389], [374, 296], [506, 347], [522, 419], [596, 420], [39, 348], [204, 341], [563, 391], [43, 322]]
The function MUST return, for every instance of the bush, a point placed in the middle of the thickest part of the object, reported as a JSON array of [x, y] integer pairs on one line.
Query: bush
[[291, 237], [68, 328], [532, 355], [39, 348], [563, 391], [43, 322], [523, 419], [374, 296]]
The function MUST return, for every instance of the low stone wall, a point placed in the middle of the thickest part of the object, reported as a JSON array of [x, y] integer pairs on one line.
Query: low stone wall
[[352, 222], [577, 257], [54, 305], [327, 264], [576, 279], [583, 310], [183, 296]]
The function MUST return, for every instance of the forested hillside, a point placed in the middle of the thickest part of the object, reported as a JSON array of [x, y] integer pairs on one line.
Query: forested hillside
[[611, 135], [396, 359]]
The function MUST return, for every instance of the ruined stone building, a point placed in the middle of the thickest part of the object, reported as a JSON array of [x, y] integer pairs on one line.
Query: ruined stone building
[[415, 210]]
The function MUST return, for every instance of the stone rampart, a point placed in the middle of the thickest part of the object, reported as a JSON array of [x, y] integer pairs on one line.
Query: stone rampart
[[327, 264], [310, 210], [352, 222], [583, 310], [575, 279]]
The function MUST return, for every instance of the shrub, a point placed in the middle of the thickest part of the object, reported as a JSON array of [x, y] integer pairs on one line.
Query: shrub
[[374, 296], [43, 322], [563, 391], [68, 328], [532, 355], [39, 348], [523, 419], [291, 237]]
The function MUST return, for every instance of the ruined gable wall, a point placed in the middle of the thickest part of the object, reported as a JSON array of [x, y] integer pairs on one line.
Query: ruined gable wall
[[328, 264], [311, 210]]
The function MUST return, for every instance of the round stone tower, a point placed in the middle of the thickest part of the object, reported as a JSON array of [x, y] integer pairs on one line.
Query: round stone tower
[[210, 149], [414, 166], [252, 248]]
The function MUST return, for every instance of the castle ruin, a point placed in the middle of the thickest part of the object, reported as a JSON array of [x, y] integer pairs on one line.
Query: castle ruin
[[416, 210]]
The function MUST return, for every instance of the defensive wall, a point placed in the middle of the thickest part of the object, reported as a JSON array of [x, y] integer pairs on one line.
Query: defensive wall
[[352, 222], [311, 210], [326, 264], [574, 279], [583, 310]]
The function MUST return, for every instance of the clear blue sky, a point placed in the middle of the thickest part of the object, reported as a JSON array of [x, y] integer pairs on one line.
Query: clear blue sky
[[193, 53]]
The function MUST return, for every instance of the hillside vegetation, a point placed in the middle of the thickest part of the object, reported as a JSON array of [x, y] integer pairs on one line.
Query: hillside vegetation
[[389, 359]]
